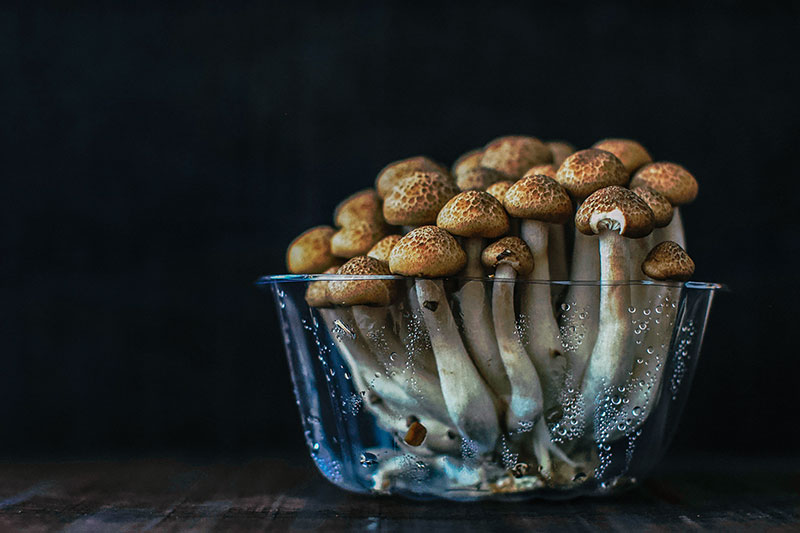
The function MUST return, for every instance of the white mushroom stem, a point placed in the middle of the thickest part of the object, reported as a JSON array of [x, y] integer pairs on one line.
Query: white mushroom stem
[[638, 249], [612, 356], [557, 252], [583, 300], [478, 331], [672, 231], [469, 400], [544, 340]]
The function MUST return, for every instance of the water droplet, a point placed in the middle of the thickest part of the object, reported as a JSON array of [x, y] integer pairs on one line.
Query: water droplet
[[616, 400], [631, 309], [315, 446], [636, 411], [646, 312], [565, 306], [580, 476], [368, 459], [650, 349]]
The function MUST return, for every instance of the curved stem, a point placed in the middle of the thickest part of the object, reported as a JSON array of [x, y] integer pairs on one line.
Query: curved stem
[[673, 231]]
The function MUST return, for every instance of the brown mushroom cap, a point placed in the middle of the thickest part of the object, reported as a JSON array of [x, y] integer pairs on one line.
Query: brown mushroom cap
[[417, 199], [428, 251], [560, 150], [542, 170], [539, 198], [478, 178], [363, 205], [586, 171], [509, 250], [363, 292], [317, 291], [661, 207], [383, 248], [356, 239], [617, 209], [474, 214], [467, 161], [670, 179], [632, 154], [310, 252], [392, 173], [498, 189], [668, 261], [514, 154]]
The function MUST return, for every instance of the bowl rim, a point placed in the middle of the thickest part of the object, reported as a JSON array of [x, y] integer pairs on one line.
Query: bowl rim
[[293, 278]]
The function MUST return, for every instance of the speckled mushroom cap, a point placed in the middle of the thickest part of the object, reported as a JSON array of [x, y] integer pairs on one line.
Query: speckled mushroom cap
[[670, 179], [514, 154], [586, 171], [560, 150], [617, 209], [668, 261], [363, 292], [632, 154], [474, 214], [363, 205], [498, 189], [356, 239], [417, 199], [538, 198], [509, 250], [661, 207], [428, 251], [383, 248], [542, 170], [310, 252], [317, 291], [467, 161], [478, 178], [392, 173]]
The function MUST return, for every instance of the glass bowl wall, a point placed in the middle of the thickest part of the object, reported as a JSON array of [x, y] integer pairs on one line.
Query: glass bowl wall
[[363, 376]]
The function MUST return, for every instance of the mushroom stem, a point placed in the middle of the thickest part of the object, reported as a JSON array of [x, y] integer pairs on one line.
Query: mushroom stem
[[673, 231], [468, 399], [583, 299], [611, 358], [557, 252], [544, 339]]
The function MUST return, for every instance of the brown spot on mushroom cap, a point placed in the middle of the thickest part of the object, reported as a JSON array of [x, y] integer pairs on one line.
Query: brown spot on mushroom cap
[[356, 239], [632, 154], [668, 261], [317, 291], [617, 209], [560, 150], [659, 204], [511, 251], [498, 189], [467, 161], [310, 252], [474, 214], [383, 248], [417, 199], [363, 205], [538, 197], [586, 171], [363, 292], [542, 170], [394, 172], [427, 251], [670, 179], [514, 154], [478, 178]]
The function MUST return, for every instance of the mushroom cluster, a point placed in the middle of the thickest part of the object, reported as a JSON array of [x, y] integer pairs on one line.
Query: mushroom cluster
[[444, 309]]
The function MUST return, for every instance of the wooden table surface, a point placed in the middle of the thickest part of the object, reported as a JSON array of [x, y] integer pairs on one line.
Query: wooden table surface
[[718, 493]]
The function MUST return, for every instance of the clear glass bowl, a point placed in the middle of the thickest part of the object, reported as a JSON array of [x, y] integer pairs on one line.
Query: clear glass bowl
[[589, 417]]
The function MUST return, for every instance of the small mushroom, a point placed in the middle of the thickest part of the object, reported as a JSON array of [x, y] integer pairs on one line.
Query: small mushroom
[[357, 238], [383, 248], [662, 216], [430, 251], [478, 178], [395, 172], [560, 150], [417, 199], [632, 154], [466, 162], [668, 261], [514, 154], [499, 188], [310, 252], [317, 291], [362, 206]]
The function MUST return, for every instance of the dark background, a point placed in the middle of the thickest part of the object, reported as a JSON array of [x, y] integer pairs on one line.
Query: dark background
[[156, 160]]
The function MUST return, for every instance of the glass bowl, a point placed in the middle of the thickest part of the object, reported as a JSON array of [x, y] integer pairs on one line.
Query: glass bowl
[[483, 388]]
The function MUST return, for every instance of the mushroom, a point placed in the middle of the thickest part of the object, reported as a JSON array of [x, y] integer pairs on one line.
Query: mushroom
[[364, 205], [382, 249], [310, 252], [465, 162], [541, 202], [356, 238], [557, 247], [475, 216], [431, 252], [678, 185], [417, 199], [514, 154], [499, 188], [662, 213], [393, 173], [613, 213], [583, 173], [560, 151], [668, 261], [478, 178], [632, 154]]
